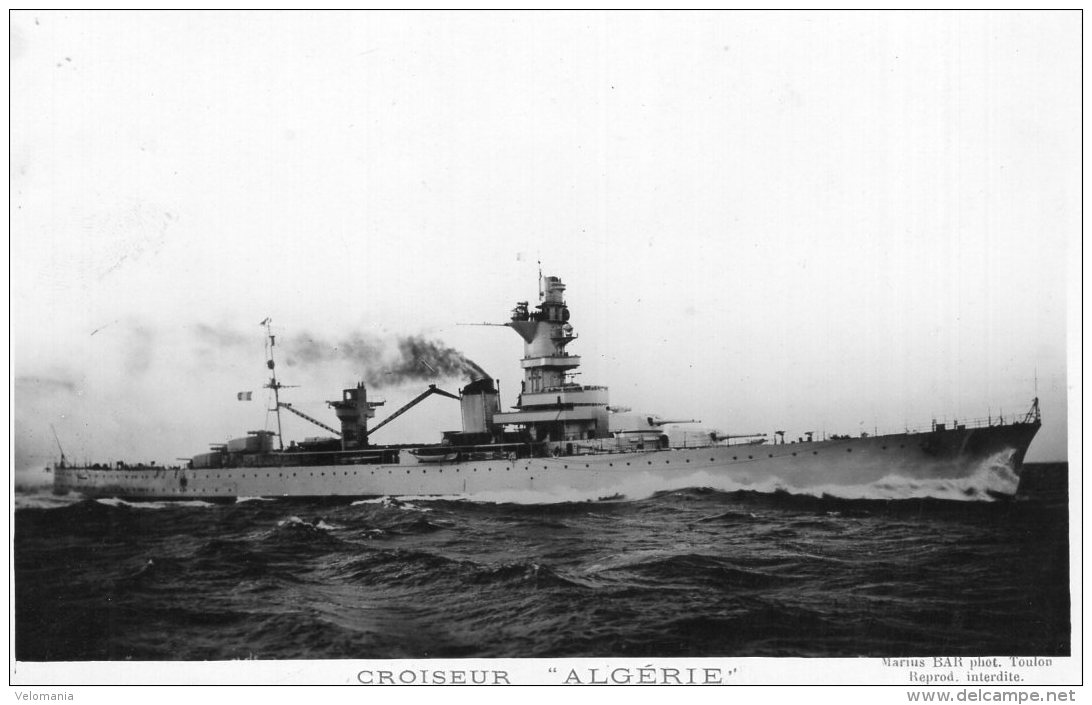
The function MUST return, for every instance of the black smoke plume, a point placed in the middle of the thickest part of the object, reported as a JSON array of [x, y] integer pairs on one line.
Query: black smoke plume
[[411, 359], [380, 362], [420, 359]]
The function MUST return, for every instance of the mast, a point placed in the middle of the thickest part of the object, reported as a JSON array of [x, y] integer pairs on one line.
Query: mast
[[273, 384], [57, 438]]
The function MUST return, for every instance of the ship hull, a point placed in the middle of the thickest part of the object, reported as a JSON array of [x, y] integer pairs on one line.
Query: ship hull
[[934, 463]]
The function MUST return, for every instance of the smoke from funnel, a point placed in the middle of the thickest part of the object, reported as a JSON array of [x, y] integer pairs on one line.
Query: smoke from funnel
[[380, 362], [412, 359], [421, 359]]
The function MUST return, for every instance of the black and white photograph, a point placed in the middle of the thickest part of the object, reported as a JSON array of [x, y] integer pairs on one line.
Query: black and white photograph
[[549, 348]]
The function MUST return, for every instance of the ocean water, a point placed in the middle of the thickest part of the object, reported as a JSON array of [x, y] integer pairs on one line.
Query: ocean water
[[693, 572]]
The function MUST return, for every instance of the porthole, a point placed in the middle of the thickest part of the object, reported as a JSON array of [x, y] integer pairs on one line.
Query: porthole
[[733, 458], [749, 457], [771, 455], [815, 452], [849, 450], [794, 454]]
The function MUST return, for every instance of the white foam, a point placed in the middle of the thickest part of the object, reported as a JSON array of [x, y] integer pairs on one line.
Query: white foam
[[399, 502], [115, 502], [320, 524], [44, 501], [994, 474]]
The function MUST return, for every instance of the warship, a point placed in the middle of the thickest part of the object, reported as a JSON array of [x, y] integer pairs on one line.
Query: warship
[[561, 439]]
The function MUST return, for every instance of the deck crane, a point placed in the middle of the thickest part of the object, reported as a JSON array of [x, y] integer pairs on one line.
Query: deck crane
[[286, 405], [432, 389]]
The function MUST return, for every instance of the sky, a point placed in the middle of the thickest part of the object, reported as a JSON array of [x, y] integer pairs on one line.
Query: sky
[[836, 222]]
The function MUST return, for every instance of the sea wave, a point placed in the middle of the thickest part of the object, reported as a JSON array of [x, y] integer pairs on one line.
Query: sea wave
[[42, 500], [698, 567], [319, 524], [691, 572], [993, 477], [173, 504], [400, 502]]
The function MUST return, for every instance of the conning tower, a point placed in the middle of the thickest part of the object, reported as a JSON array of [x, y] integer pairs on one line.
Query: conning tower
[[551, 407]]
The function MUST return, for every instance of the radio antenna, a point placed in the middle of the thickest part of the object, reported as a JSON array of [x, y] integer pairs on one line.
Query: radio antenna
[[273, 383]]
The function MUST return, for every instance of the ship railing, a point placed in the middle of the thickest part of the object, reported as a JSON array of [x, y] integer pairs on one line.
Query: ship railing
[[697, 440], [116, 465], [960, 424], [946, 424], [356, 456], [520, 449], [527, 450], [575, 388]]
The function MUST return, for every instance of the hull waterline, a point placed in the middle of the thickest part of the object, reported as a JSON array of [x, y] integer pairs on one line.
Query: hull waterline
[[950, 462], [561, 440]]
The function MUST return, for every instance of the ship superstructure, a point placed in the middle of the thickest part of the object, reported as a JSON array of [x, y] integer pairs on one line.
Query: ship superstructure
[[550, 406], [559, 438]]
